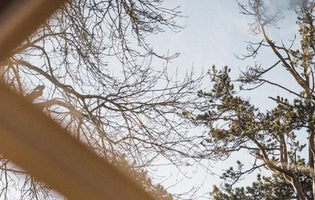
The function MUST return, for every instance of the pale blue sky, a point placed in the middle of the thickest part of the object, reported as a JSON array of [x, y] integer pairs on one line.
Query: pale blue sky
[[213, 31]]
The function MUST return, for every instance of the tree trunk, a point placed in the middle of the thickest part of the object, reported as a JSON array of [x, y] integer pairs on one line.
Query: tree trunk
[[298, 188], [312, 169], [311, 150], [313, 183], [311, 138]]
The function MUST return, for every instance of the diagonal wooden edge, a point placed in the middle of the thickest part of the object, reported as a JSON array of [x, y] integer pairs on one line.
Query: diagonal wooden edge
[[36, 143], [20, 18]]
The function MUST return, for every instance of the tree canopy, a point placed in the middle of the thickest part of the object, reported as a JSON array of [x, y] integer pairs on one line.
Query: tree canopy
[[281, 139], [90, 68]]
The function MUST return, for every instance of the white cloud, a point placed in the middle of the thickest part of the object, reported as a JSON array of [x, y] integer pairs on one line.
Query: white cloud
[[284, 4]]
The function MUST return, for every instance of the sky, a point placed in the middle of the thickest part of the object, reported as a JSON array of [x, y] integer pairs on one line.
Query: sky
[[207, 37], [214, 32]]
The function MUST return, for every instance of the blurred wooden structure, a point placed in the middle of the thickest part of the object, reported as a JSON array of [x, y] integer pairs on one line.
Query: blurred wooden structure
[[35, 142]]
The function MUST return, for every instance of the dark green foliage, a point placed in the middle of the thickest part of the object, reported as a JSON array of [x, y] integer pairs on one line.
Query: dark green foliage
[[267, 136], [281, 139], [264, 188]]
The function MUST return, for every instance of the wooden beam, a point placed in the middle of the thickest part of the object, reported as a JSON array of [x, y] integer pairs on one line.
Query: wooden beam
[[36, 143], [20, 18]]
